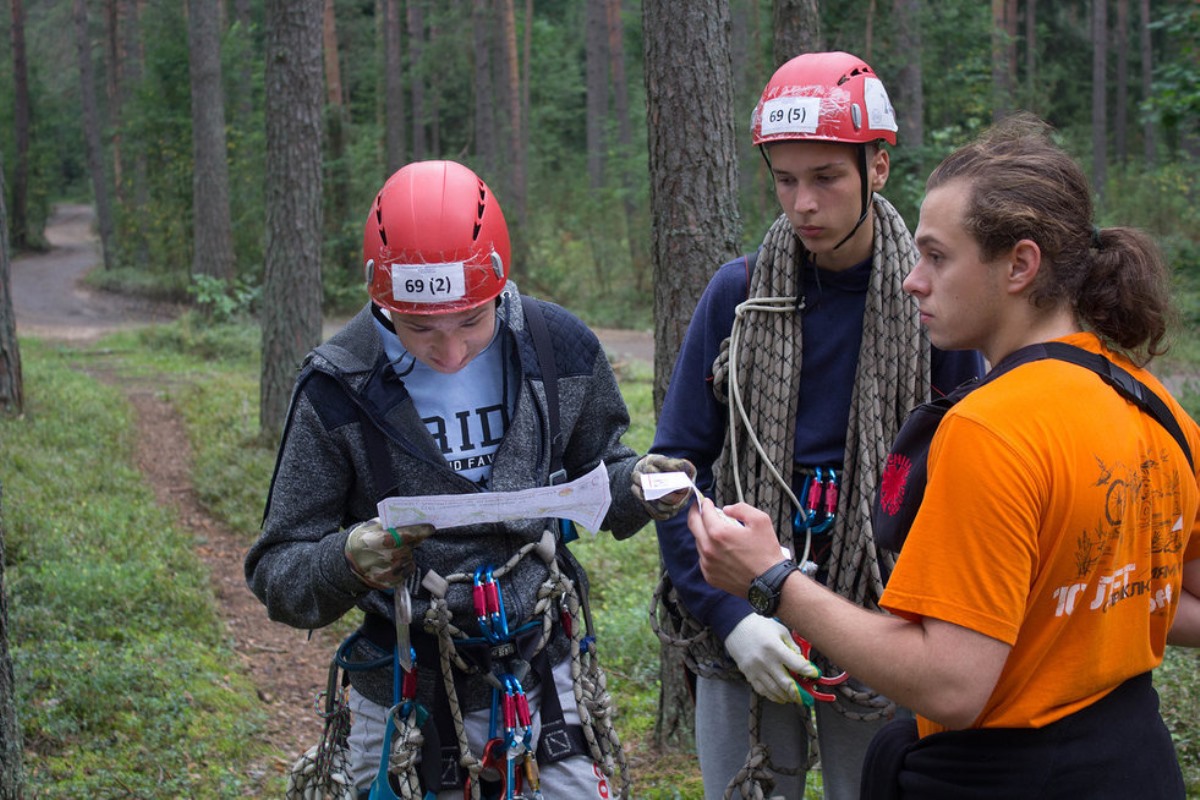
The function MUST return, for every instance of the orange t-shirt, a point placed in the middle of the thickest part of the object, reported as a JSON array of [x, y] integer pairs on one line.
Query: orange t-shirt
[[1056, 519]]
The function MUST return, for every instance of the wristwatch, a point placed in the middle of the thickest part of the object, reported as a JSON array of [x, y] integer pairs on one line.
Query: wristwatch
[[766, 588]]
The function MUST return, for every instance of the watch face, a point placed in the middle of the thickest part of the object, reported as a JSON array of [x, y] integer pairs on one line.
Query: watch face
[[759, 597]]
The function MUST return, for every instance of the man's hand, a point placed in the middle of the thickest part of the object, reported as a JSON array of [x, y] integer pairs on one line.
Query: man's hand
[[383, 557], [766, 654], [736, 544], [668, 505]]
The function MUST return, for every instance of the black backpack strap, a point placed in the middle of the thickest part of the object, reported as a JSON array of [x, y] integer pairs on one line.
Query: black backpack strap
[[545, 354], [1126, 385], [902, 485]]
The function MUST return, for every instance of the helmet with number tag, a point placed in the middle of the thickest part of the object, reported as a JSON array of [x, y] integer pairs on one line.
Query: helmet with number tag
[[830, 97], [435, 241]]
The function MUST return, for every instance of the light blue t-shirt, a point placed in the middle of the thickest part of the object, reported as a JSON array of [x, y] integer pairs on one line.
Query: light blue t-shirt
[[467, 412]]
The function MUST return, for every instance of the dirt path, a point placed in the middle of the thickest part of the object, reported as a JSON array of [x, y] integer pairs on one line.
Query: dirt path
[[287, 667]]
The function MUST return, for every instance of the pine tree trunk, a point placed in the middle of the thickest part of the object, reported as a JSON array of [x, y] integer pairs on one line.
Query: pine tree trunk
[[797, 26], [1099, 96], [12, 392], [212, 230], [291, 316], [910, 93], [393, 86], [11, 764], [693, 149], [21, 237], [92, 126]]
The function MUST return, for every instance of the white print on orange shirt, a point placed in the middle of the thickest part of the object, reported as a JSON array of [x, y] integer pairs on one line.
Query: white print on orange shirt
[[1110, 590]]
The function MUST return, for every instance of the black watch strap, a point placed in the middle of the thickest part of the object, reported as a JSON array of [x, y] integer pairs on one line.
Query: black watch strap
[[766, 589]]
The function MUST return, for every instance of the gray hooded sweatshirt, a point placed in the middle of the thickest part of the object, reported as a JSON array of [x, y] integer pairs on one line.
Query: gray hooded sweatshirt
[[350, 413]]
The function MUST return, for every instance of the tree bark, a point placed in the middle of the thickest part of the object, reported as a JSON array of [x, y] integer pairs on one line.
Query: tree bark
[[797, 26], [21, 237], [92, 127], [1148, 140], [1031, 50], [212, 231], [12, 401], [1001, 76], [393, 86], [1099, 96], [482, 24], [596, 69], [693, 156], [11, 764], [416, 74], [1121, 122], [625, 144], [337, 121], [910, 91], [516, 140], [291, 316]]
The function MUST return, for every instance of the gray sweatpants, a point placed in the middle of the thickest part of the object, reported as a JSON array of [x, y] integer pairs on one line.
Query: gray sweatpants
[[723, 741], [574, 778]]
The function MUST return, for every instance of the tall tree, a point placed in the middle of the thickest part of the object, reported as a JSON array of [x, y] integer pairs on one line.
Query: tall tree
[[212, 231], [1099, 96], [1003, 38], [482, 23], [337, 119], [596, 69], [21, 237], [1121, 121], [92, 126], [1148, 141], [393, 86], [416, 76], [625, 144], [12, 391], [291, 316], [132, 185], [12, 767], [516, 139], [1031, 51], [797, 26], [910, 92], [694, 207]]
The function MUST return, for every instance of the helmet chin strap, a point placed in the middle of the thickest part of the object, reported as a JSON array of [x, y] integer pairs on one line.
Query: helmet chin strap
[[866, 197], [866, 194]]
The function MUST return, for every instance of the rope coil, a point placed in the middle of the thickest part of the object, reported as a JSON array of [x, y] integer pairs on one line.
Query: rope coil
[[757, 374]]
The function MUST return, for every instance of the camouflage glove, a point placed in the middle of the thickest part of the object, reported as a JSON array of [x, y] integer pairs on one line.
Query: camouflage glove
[[668, 505], [383, 557]]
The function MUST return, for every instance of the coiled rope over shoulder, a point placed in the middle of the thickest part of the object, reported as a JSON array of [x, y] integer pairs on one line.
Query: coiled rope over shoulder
[[757, 373]]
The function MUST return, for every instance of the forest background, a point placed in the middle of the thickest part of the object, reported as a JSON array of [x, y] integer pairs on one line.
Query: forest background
[[159, 114]]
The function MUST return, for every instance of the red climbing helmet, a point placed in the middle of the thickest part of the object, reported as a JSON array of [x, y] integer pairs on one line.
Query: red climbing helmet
[[435, 241], [832, 97]]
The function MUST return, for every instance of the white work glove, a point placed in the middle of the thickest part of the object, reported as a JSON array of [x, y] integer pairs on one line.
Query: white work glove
[[764, 651], [383, 557], [668, 505]]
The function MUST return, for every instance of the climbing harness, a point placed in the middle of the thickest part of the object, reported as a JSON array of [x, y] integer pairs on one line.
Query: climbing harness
[[426, 747], [757, 375]]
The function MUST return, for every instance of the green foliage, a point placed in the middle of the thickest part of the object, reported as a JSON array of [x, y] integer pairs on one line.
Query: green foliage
[[1175, 102], [222, 300], [118, 656], [1178, 684]]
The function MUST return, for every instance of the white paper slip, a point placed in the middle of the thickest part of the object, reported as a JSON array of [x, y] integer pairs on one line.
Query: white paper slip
[[659, 484], [584, 500]]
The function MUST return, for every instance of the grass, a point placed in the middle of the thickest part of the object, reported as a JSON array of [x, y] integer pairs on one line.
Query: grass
[[126, 686]]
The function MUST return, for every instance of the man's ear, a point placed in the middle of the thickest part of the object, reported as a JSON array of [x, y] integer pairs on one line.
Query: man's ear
[[878, 169], [1025, 262]]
